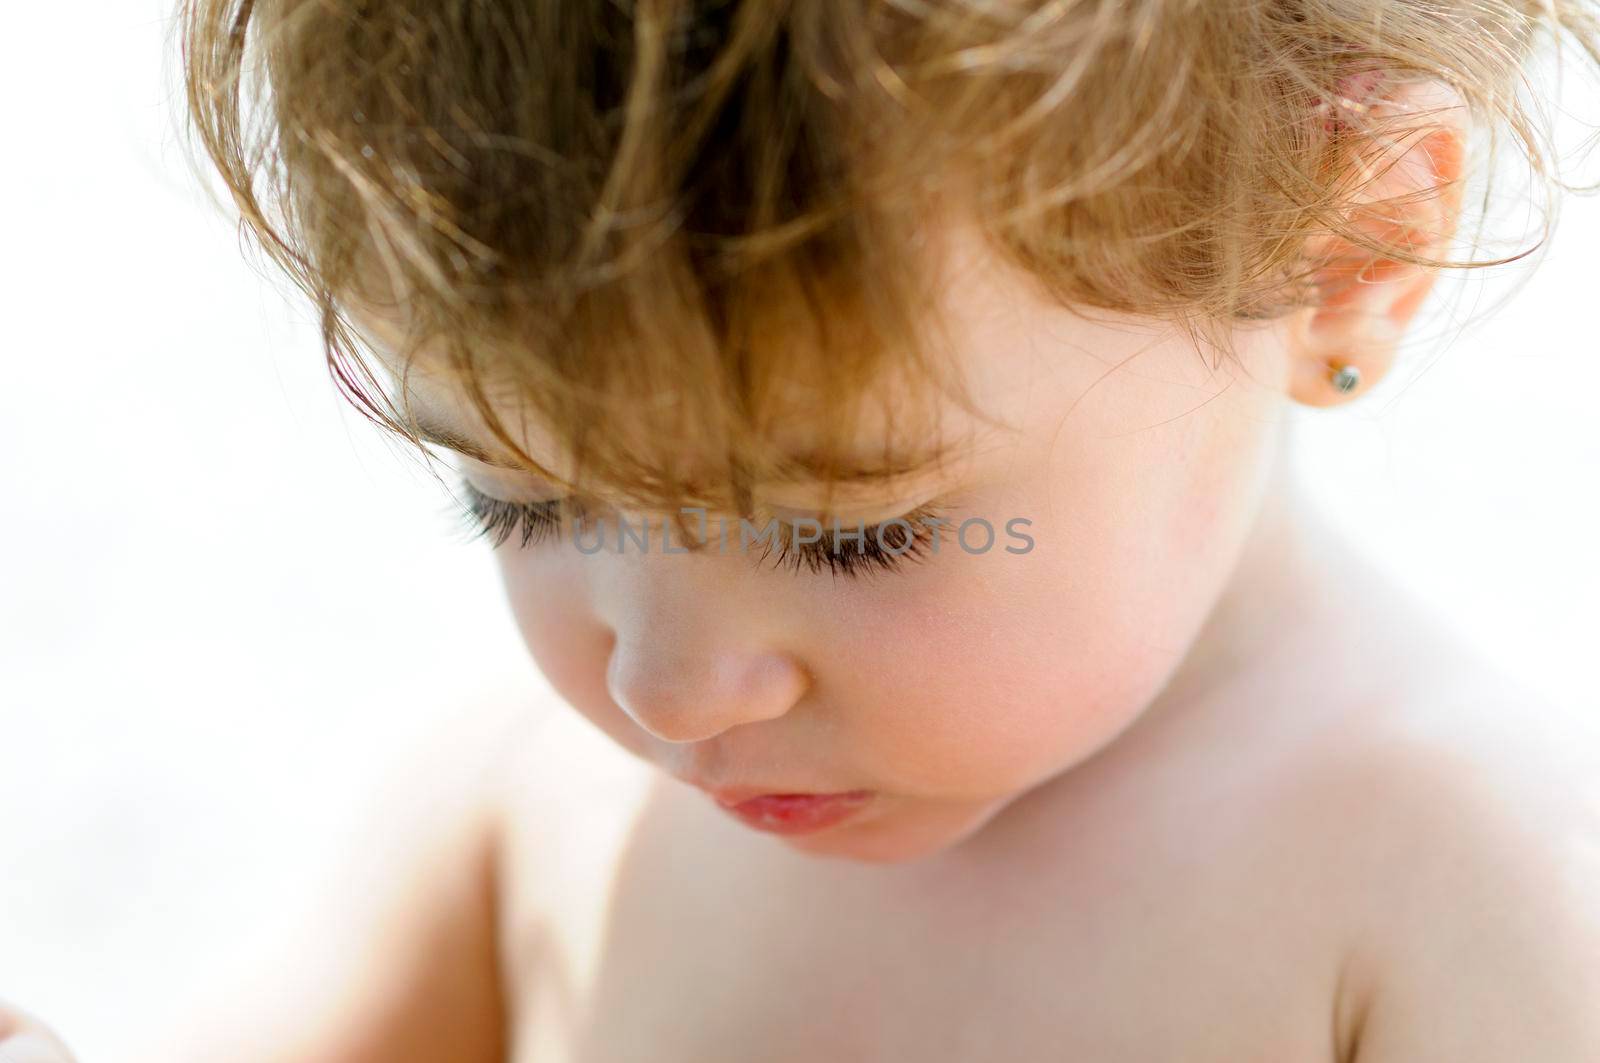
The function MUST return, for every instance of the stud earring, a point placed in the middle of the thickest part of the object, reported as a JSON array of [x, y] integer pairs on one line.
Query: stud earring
[[1344, 378]]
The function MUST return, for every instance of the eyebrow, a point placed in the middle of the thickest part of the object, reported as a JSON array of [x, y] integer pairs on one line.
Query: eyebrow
[[441, 435], [809, 466]]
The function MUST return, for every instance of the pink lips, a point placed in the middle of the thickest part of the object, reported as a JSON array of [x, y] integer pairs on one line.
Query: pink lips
[[796, 813]]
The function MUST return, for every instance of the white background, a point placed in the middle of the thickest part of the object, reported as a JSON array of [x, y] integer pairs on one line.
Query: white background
[[225, 603]]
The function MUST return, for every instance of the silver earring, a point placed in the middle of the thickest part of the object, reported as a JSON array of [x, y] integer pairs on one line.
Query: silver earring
[[1345, 378]]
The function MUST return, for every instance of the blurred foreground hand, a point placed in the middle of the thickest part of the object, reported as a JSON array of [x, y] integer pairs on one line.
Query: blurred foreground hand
[[24, 1039]]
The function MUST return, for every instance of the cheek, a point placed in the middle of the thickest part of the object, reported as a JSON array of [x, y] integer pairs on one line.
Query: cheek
[[546, 602], [1008, 669], [1012, 673], [569, 644]]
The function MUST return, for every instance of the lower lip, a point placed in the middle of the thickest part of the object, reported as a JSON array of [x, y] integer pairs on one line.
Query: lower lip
[[799, 813]]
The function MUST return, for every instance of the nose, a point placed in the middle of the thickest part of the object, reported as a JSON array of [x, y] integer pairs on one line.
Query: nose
[[683, 695]]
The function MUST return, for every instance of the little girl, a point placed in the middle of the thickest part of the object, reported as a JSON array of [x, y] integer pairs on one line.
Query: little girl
[[879, 412]]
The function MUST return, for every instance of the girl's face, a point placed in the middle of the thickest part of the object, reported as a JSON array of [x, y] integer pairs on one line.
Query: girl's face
[[953, 684]]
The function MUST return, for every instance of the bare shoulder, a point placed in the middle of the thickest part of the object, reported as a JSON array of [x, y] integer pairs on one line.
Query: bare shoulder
[[1462, 826], [568, 799], [388, 953]]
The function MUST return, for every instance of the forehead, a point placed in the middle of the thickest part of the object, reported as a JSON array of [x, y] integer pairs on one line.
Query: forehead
[[1015, 354]]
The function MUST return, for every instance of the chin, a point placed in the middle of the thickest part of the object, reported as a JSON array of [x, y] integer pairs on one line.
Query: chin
[[906, 836]]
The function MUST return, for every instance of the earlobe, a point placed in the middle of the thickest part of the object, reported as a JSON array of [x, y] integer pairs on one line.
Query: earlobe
[[1410, 194], [1355, 333]]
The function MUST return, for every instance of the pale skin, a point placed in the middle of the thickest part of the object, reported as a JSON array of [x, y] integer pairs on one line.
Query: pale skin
[[1188, 781]]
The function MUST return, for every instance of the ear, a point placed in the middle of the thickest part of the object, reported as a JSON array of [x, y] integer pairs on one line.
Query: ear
[[1409, 181]]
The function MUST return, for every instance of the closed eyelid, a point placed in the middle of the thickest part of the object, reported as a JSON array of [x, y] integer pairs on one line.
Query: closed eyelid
[[524, 489]]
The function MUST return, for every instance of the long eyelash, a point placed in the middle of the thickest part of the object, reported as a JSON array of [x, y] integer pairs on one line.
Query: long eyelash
[[497, 520], [851, 557]]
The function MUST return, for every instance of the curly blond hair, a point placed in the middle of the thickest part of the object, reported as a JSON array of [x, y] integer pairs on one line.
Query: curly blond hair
[[677, 215]]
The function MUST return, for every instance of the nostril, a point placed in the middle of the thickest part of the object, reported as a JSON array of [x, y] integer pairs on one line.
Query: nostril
[[776, 680]]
